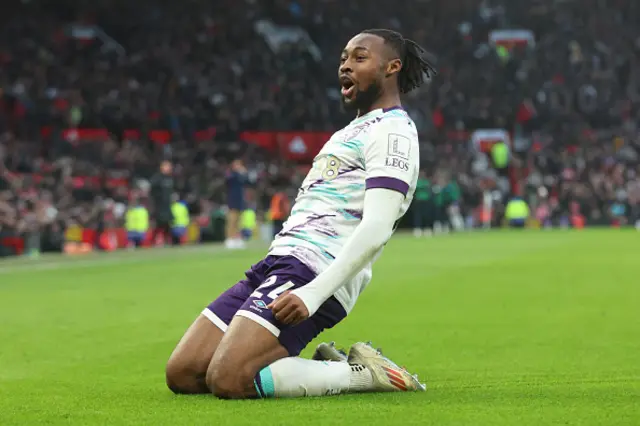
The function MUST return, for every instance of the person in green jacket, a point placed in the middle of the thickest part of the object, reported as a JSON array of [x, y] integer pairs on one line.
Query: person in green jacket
[[452, 197], [422, 200], [440, 217]]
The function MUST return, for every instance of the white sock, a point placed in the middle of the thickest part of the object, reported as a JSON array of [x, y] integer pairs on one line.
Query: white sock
[[417, 232], [296, 377]]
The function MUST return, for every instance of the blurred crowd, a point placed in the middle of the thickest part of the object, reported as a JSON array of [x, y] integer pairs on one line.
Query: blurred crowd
[[571, 100]]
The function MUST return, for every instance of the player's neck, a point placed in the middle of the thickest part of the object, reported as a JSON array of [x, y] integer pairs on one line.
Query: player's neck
[[385, 102]]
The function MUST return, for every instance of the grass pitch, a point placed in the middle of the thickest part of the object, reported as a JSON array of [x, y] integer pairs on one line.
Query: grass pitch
[[528, 328]]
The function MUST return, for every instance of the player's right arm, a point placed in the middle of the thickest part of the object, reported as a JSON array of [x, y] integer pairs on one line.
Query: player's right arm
[[391, 169], [381, 207]]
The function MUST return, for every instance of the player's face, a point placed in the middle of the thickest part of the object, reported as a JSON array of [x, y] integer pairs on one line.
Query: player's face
[[361, 71]]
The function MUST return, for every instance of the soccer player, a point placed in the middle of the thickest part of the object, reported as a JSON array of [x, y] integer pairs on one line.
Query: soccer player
[[246, 343]]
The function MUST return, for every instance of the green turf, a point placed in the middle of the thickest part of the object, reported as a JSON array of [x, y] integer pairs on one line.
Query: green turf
[[527, 328]]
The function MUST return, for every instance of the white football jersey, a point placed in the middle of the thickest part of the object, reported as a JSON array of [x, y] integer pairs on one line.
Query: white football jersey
[[377, 150]]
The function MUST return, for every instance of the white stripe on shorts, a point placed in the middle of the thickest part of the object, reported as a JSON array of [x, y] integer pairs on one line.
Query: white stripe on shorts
[[263, 322], [215, 319]]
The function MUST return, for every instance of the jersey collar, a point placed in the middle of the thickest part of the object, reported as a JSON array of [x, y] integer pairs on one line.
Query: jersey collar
[[375, 112]]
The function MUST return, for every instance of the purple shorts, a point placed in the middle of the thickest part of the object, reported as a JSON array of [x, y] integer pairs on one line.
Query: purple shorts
[[264, 282]]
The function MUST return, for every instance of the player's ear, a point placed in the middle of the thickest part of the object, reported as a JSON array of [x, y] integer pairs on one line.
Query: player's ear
[[393, 67]]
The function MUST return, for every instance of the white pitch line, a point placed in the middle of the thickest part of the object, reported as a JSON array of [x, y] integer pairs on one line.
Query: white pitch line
[[102, 259]]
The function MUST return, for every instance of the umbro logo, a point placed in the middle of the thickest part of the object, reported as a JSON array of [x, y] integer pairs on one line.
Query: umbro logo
[[260, 304]]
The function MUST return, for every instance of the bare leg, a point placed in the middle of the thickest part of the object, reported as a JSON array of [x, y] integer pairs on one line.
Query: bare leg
[[245, 349], [187, 366]]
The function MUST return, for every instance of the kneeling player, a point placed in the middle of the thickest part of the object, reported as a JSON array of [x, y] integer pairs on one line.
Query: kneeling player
[[246, 343]]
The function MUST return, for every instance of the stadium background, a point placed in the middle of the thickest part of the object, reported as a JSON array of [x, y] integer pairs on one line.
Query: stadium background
[[94, 95], [506, 327]]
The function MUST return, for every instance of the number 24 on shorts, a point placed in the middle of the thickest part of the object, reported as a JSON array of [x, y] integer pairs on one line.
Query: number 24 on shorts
[[273, 294]]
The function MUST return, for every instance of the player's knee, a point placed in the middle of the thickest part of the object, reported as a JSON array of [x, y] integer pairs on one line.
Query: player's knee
[[229, 382], [174, 374], [180, 377]]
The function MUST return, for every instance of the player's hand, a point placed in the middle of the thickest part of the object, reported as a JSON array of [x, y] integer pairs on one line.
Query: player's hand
[[289, 309]]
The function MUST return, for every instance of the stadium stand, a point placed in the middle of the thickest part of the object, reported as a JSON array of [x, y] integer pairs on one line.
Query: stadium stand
[[93, 98]]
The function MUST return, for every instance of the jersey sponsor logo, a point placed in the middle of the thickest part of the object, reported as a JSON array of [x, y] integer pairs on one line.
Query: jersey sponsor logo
[[399, 146], [397, 163]]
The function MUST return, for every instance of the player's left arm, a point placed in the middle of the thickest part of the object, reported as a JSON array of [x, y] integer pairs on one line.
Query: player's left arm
[[391, 170]]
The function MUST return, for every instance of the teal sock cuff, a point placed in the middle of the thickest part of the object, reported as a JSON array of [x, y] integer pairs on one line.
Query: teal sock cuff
[[264, 383]]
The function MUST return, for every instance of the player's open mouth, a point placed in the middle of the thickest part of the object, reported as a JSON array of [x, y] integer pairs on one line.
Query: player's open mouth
[[348, 86]]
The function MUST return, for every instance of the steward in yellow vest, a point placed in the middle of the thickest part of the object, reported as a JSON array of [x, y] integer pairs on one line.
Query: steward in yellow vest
[[180, 222], [137, 224]]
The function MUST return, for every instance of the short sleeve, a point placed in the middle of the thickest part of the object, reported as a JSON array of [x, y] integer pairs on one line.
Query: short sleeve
[[392, 156]]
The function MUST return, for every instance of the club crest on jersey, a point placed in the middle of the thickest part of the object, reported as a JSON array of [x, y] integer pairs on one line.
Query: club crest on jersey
[[399, 146]]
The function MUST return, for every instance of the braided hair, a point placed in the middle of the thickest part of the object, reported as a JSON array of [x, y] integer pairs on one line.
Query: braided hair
[[415, 67]]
